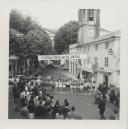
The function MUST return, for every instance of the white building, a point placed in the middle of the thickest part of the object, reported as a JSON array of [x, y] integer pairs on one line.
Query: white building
[[101, 47], [50, 34]]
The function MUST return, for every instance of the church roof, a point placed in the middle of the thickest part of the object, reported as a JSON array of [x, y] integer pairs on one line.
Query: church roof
[[114, 34], [51, 31]]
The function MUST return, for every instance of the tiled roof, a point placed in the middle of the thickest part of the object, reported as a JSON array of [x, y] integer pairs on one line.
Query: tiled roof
[[106, 36], [114, 34], [73, 45], [101, 29]]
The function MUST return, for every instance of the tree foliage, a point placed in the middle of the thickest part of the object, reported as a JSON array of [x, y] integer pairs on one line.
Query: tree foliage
[[32, 40], [17, 44], [39, 43], [65, 36], [22, 23]]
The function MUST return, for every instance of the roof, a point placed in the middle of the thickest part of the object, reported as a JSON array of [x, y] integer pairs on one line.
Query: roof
[[73, 45], [48, 30], [114, 34], [101, 29]]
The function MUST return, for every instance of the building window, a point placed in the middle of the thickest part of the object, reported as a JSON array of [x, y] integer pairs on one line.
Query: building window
[[84, 48], [106, 61], [96, 47], [106, 45], [88, 47], [91, 14], [88, 60], [84, 62], [95, 60]]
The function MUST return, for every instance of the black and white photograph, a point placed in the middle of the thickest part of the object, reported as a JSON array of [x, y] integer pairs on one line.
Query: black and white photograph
[[64, 63]]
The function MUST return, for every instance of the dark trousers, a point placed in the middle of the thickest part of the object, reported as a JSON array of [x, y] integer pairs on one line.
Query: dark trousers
[[102, 117]]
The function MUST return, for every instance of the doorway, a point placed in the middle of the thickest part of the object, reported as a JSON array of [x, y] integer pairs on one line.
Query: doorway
[[106, 79]]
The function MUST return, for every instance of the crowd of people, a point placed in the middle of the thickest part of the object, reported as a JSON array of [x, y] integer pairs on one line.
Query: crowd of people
[[32, 99], [110, 93], [104, 93]]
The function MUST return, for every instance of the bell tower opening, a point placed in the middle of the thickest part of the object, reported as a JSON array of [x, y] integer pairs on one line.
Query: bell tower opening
[[91, 14], [89, 25]]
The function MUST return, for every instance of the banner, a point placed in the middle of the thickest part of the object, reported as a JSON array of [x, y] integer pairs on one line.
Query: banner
[[62, 57]]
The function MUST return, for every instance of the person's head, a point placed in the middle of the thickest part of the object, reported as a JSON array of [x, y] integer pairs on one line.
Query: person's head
[[51, 97], [32, 97], [67, 104], [115, 111], [65, 101], [57, 102], [73, 108], [39, 98], [101, 96]]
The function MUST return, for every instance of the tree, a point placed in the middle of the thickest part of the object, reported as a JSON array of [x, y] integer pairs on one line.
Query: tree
[[38, 43], [33, 41], [22, 23], [27, 40], [65, 36], [17, 44]]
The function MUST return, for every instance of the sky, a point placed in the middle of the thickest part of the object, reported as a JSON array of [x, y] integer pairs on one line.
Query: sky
[[53, 14]]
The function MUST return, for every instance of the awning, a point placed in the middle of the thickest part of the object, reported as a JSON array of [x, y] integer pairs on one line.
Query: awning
[[106, 72], [87, 70]]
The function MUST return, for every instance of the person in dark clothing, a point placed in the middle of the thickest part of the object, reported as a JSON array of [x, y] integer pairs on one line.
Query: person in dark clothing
[[39, 111], [31, 108], [78, 76], [115, 115], [15, 93], [102, 106], [21, 85], [117, 100], [47, 109], [112, 96], [23, 101], [56, 109], [65, 102], [66, 109]]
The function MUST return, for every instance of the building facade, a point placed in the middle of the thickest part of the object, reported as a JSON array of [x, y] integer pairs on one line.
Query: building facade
[[50, 34], [101, 47]]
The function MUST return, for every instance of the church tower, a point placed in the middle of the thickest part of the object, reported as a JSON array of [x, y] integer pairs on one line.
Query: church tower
[[89, 24]]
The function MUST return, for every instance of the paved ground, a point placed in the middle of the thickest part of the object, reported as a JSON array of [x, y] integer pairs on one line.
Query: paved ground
[[84, 104]]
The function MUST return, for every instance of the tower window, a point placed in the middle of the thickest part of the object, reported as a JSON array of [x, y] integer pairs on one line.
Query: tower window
[[91, 14], [88, 47], [96, 60], [106, 61], [106, 45], [96, 46], [88, 60]]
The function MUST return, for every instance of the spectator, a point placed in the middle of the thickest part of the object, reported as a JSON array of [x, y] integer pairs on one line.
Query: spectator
[[114, 116], [102, 106], [66, 109], [56, 109], [31, 107], [24, 110]]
